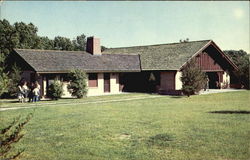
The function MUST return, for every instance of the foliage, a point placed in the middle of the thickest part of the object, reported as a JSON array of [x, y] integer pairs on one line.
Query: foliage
[[63, 43], [241, 59], [4, 79], [80, 43], [14, 80], [26, 35], [22, 35], [46, 43], [4, 82], [78, 83], [193, 79], [12, 134], [55, 90], [8, 37], [103, 48]]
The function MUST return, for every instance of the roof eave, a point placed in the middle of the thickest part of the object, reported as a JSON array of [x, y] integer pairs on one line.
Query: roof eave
[[89, 71], [198, 52]]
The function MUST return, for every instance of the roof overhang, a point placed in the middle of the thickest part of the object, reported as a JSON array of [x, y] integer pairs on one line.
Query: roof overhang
[[217, 48], [88, 71]]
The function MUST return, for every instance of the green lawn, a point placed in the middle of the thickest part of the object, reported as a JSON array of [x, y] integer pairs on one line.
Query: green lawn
[[164, 127]]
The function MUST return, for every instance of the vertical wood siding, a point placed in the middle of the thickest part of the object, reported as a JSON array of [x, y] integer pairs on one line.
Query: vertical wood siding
[[206, 63]]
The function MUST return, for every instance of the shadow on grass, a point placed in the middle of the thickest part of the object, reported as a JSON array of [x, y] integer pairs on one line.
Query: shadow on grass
[[14, 101], [160, 140], [176, 97], [231, 112]]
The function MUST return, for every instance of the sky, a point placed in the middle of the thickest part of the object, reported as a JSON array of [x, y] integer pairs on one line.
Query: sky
[[128, 23]]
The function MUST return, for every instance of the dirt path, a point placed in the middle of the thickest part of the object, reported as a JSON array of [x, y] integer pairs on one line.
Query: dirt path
[[35, 105]]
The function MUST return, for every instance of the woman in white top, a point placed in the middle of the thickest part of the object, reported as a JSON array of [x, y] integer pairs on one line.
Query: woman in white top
[[20, 94], [25, 90]]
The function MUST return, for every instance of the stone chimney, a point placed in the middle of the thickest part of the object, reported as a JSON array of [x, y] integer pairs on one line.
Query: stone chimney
[[93, 46]]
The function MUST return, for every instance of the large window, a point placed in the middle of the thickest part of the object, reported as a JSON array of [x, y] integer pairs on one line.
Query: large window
[[93, 80]]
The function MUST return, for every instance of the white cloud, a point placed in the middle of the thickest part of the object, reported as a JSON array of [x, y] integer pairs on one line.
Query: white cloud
[[238, 13]]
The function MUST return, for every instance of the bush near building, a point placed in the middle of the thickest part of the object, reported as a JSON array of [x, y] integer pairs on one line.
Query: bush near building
[[78, 83], [55, 90], [193, 79]]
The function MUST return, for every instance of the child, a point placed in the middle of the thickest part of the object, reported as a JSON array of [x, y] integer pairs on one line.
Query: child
[[35, 94], [38, 87]]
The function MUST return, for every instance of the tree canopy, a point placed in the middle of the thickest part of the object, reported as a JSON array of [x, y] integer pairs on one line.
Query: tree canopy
[[24, 36], [241, 59]]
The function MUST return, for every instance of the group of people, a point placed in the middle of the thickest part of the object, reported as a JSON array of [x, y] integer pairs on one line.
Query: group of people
[[28, 92]]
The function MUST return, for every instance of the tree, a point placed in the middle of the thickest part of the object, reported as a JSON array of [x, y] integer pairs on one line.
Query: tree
[[55, 90], [193, 79], [78, 83], [26, 35], [4, 80], [80, 43], [18, 35], [46, 43], [8, 38], [14, 80], [63, 43], [103, 48], [241, 59]]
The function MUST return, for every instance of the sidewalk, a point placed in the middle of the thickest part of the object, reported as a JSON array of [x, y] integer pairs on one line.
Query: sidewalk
[[211, 91]]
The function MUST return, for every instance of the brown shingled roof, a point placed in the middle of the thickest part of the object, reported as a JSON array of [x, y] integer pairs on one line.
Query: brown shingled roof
[[64, 61]]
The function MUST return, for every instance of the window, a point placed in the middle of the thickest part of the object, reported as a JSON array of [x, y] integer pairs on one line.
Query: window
[[93, 80]]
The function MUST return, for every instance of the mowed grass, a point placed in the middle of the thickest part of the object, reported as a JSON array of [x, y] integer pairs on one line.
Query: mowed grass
[[164, 127]]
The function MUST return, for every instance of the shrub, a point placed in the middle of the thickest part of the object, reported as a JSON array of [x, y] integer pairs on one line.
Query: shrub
[[55, 90], [78, 83], [193, 79], [10, 135]]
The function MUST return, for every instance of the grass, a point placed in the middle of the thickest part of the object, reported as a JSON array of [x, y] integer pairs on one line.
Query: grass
[[168, 127], [9, 103]]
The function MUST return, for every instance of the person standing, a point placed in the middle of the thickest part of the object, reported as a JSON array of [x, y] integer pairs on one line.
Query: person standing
[[206, 84], [20, 93], [30, 94], [25, 91], [35, 94], [38, 87]]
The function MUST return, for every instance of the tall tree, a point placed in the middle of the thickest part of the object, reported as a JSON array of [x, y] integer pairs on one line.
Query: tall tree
[[241, 59], [63, 43], [27, 35], [8, 38], [4, 79], [46, 43], [80, 43]]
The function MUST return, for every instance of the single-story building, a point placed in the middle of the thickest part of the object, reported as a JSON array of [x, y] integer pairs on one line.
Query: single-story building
[[152, 68]]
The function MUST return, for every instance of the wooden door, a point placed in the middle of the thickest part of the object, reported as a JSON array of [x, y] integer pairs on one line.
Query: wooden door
[[106, 82]]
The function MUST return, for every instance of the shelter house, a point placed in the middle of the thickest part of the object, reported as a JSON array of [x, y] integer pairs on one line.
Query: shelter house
[[152, 68]]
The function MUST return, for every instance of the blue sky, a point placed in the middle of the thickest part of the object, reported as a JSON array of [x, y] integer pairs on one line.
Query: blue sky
[[130, 23]]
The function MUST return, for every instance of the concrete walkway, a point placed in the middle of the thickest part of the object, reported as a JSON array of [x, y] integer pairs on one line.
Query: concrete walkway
[[40, 105], [211, 91]]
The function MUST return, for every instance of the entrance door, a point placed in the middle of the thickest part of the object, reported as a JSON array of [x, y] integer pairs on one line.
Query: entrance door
[[213, 80], [106, 82]]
